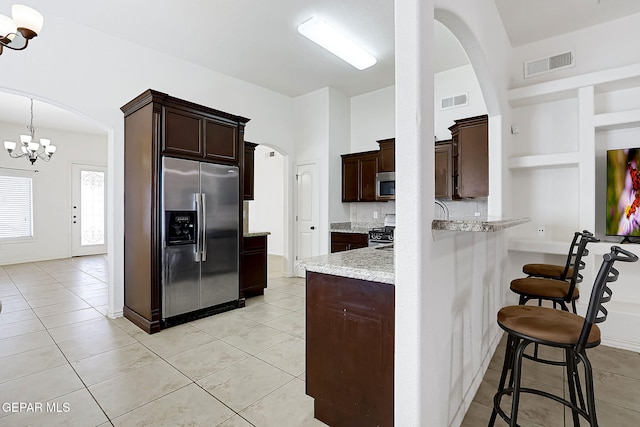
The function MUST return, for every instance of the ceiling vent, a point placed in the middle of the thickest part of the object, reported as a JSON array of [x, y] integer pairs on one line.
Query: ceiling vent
[[546, 65], [454, 101]]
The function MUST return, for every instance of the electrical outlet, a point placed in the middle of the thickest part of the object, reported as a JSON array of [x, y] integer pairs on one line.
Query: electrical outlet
[[541, 231], [375, 214]]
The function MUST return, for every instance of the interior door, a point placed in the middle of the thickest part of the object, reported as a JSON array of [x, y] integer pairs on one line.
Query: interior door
[[307, 205], [88, 210]]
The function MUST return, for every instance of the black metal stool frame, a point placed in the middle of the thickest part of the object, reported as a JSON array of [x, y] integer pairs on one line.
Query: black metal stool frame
[[575, 353]]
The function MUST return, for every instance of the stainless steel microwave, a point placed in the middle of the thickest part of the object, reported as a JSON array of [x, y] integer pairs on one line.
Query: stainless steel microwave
[[386, 186]]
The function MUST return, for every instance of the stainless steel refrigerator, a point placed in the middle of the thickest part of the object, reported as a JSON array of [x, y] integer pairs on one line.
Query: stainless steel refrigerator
[[200, 250]]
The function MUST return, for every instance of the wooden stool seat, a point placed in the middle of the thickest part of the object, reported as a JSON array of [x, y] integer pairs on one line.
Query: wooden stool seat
[[544, 288], [547, 271]]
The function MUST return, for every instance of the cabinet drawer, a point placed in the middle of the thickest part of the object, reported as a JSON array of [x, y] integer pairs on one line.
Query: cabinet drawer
[[255, 243]]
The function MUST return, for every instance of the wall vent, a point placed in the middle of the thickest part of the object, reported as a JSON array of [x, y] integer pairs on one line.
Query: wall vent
[[546, 65], [270, 154], [454, 101]]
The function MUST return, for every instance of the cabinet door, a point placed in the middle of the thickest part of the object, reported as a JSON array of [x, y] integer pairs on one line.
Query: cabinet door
[[253, 273], [443, 171], [350, 181], [249, 171], [182, 133], [387, 155], [473, 162], [347, 241], [368, 169], [221, 141]]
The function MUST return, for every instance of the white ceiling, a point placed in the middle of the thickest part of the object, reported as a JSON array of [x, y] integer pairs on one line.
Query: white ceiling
[[257, 40]]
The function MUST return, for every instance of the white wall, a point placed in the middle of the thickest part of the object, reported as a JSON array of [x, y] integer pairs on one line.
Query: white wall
[[372, 119], [266, 211], [339, 142], [51, 191]]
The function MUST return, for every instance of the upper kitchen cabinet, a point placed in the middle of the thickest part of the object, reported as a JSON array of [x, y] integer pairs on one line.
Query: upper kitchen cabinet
[[195, 132], [443, 169], [359, 176], [387, 162], [470, 157], [249, 170]]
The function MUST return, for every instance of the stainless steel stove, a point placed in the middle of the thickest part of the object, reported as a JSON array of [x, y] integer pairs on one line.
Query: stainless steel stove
[[383, 235]]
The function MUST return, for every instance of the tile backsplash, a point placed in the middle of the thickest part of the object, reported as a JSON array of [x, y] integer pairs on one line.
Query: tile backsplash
[[363, 212]]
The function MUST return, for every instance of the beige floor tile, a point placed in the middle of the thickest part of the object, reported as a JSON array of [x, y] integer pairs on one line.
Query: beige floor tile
[[40, 387], [42, 302], [288, 406], [202, 361], [17, 316], [291, 302], [609, 359], [67, 318], [83, 329], [225, 324], [133, 389], [86, 292], [110, 364], [63, 307], [102, 309], [479, 415], [17, 305], [169, 342], [97, 301], [617, 389], [236, 421], [76, 409], [188, 406], [20, 328], [88, 287], [8, 290], [26, 284], [231, 385], [262, 313], [90, 345], [288, 356], [52, 290], [256, 339], [609, 415], [292, 324], [22, 343], [290, 288], [30, 362]]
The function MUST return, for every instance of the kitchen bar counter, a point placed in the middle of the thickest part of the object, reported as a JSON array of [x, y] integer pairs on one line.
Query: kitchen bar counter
[[256, 233], [477, 224], [352, 227], [374, 264]]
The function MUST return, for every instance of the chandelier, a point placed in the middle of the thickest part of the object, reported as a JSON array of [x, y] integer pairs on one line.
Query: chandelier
[[24, 25], [31, 149]]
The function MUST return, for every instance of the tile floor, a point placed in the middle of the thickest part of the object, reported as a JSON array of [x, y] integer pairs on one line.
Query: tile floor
[[71, 366]]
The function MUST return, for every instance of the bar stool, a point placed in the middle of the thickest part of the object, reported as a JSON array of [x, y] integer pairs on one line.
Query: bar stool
[[554, 271], [557, 290], [527, 325]]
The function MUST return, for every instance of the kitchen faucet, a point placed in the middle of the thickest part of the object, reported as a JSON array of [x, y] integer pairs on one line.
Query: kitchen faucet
[[444, 207]]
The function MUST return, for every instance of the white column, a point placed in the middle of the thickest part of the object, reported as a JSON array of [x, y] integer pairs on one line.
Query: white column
[[587, 154], [421, 388]]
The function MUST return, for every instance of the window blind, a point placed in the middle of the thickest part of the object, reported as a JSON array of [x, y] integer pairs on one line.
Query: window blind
[[16, 206]]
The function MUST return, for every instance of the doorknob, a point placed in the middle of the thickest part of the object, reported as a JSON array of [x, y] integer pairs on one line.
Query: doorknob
[[313, 228]]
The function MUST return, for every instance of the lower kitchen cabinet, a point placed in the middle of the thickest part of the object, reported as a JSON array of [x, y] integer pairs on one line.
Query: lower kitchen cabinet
[[347, 241], [350, 350], [253, 266]]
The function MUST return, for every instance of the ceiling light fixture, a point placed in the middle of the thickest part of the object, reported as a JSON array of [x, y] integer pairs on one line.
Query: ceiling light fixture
[[15, 33], [31, 149], [318, 31]]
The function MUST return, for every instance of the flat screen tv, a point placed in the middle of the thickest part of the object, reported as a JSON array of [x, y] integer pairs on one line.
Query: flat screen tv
[[623, 194]]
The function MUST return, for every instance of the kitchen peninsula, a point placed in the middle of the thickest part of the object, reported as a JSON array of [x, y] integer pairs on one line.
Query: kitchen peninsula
[[350, 321]]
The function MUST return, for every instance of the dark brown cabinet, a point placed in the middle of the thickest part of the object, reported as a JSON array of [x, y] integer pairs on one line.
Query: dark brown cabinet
[[359, 176], [193, 134], [443, 187], [156, 124], [249, 170], [253, 266], [347, 241], [387, 161], [470, 157], [350, 350]]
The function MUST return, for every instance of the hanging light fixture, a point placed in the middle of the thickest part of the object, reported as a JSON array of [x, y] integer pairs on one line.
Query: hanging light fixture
[[24, 25], [31, 149]]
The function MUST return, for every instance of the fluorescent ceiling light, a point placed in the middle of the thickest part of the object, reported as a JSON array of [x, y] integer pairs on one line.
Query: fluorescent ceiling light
[[326, 36]]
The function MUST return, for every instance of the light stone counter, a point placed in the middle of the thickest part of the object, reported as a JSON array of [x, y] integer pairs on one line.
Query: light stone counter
[[477, 224], [371, 264], [352, 227], [256, 233]]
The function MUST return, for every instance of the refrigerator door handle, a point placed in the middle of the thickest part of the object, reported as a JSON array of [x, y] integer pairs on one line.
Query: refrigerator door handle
[[204, 228], [198, 226]]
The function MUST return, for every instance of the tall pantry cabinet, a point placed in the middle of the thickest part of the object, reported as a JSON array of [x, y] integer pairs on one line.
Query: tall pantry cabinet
[[156, 125]]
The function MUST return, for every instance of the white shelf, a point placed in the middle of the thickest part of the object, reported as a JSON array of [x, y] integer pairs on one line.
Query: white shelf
[[544, 160], [616, 120], [540, 246]]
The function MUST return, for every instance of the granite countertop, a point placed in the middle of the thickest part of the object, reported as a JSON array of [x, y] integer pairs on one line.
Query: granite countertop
[[477, 224], [256, 233], [371, 264], [352, 227]]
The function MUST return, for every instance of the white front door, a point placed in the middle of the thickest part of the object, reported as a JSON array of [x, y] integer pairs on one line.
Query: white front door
[[88, 210], [307, 194]]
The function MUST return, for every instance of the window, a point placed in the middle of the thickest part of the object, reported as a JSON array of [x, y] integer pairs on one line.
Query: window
[[16, 206]]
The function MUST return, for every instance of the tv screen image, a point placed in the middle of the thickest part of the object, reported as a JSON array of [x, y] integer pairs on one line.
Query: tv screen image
[[623, 192]]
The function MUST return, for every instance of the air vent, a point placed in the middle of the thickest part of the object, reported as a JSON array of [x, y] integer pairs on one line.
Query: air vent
[[546, 65], [454, 101]]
